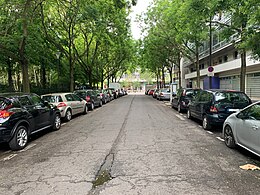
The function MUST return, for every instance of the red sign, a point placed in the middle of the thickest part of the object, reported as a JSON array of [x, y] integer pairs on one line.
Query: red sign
[[210, 69]]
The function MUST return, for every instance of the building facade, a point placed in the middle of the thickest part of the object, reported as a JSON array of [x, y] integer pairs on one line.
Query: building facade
[[226, 62]]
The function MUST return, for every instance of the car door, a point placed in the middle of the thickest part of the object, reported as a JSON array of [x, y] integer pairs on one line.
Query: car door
[[43, 111], [80, 104], [194, 105], [29, 107], [175, 98], [71, 103], [248, 128]]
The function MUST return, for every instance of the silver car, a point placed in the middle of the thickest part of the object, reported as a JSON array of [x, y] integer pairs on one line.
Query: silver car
[[243, 129], [69, 104], [164, 94]]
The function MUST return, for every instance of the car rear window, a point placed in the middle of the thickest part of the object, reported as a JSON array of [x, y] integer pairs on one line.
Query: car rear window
[[165, 90], [81, 94], [4, 103], [232, 99], [52, 98]]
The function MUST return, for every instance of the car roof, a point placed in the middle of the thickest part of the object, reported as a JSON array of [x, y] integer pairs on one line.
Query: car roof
[[15, 94], [222, 90], [64, 93]]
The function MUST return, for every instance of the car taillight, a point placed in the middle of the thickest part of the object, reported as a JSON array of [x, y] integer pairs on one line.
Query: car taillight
[[161, 94], [62, 104], [87, 98], [213, 109], [5, 114]]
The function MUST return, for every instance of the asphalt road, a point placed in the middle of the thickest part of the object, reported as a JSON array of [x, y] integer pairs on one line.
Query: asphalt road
[[138, 145]]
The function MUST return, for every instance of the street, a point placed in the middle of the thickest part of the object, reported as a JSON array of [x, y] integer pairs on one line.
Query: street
[[133, 145]]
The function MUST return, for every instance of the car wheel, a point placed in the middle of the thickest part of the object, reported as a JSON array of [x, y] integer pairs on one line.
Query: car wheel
[[56, 122], [105, 101], [85, 110], [100, 103], [189, 114], [179, 108], [205, 123], [229, 137], [20, 138], [68, 115]]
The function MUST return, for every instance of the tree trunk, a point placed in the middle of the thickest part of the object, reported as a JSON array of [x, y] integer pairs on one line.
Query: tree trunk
[[243, 71], [10, 79], [43, 75], [179, 72], [23, 59], [102, 79], [90, 79], [163, 78]]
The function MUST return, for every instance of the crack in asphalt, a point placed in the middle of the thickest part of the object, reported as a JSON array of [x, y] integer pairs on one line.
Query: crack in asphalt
[[104, 173]]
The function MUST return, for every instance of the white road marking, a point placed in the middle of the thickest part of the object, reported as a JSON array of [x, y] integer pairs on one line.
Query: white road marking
[[185, 116], [9, 157], [181, 114], [219, 138], [28, 147], [180, 117], [209, 132], [63, 124], [200, 126]]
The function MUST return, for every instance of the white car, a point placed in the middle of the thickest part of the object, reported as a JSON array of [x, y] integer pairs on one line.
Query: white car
[[243, 129], [69, 104]]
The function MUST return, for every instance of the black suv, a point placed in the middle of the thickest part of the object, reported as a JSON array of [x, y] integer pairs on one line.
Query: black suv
[[214, 106], [23, 114], [182, 98]]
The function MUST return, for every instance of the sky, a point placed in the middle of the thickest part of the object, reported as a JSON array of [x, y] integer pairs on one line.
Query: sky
[[141, 6]]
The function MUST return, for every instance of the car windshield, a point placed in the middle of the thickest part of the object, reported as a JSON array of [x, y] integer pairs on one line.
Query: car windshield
[[4, 103], [52, 98]]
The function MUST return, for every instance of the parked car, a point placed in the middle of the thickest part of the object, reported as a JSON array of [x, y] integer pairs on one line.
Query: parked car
[[103, 95], [243, 129], [109, 94], [214, 106], [155, 93], [69, 104], [150, 92], [93, 98], [164, 94], [23, 114], [181, 99], [114, 93]]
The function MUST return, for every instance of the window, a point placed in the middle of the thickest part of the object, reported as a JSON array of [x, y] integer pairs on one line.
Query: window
[[205, 96], [37, 100], [69, 97], [24, 101], [225, 58], [76, 98], [220, 60], [235, 55], [52, 98], [253, 112]]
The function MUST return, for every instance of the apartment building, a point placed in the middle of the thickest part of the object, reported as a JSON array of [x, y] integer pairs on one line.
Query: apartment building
[[226, 62]]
